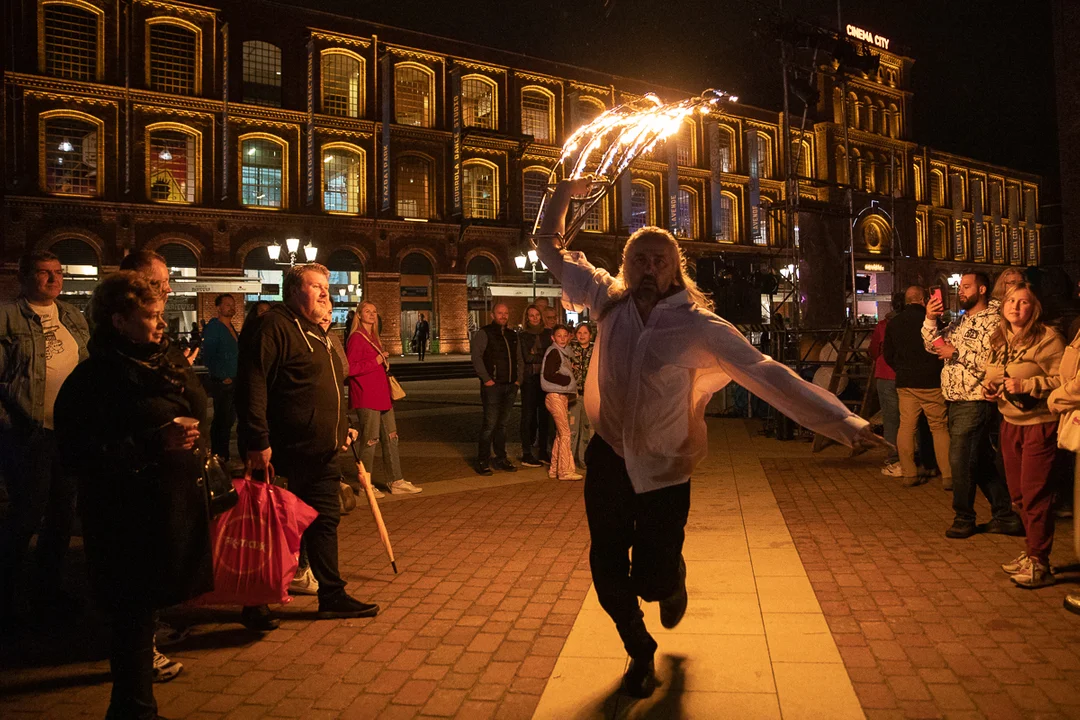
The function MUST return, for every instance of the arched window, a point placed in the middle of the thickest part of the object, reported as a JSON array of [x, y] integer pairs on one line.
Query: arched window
[[867, 116], [414, 95], [727, 149], [173, 158], [70, 40], [480, 188], [71, 155], [940, 240], [852, 110], [686, 148], [414, 187], [642, 205], [262, 73], [894, 125], [588, 108], [596, 219], [937, 188], [800, 158], [534, 184], [882, 124], [726, 230], [764, 155], [343, 178], [173, 55], [342, 75], [918, 172], [920, 236], [537, 115], [687, 211], [263, 171], [479, 100]]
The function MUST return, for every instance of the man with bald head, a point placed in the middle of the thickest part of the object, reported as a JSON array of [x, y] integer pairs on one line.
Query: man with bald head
[[495, 357], [918, 388]]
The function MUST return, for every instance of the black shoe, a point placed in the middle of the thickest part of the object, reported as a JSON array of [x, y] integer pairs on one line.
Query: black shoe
[[961, 529], [1005, 527], [482, 468], [504, 464], [640, 680], [673, 608], [530, 461], [343, 606], [258, 618]]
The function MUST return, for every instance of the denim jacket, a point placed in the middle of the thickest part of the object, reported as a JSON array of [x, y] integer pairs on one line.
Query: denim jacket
[[22, 360]]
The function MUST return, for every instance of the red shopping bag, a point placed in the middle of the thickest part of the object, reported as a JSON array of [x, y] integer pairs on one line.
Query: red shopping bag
[[256, 545]]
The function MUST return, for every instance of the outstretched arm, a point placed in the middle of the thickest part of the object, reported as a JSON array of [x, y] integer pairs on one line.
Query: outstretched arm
[[552, 226]]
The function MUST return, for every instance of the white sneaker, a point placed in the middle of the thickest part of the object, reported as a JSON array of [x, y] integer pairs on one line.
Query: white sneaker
[[304, 583], [892, 470], [165, 634], [1033, 575], [1018, 565], [403, 487], [164, 668], [377, 492]]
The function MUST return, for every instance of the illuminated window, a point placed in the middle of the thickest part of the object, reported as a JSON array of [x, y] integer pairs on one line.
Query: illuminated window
[[588, 108], [537, 118], [937, 188], [414, 95], [534, 184], [478, 102], [940, 243], [342, 83], [72, 156], [725, 220], [262, 73], [800, 158], [727, 150], [413, 187], [173, 165], [918, 183], [687, 207], [71, 36], [764, 155], [685, 147], [595, 219], [262, 172], [479, 184], [173, 58], [343, 178], [642, 211]]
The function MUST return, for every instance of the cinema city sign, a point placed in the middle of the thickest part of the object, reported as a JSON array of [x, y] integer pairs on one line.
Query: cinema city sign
[[866, 36]]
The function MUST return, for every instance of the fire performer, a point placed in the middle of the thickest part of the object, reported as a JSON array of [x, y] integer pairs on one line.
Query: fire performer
[[660, 355]]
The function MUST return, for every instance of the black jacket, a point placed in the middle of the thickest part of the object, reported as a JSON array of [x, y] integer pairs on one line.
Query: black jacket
[[915, 368], [495, 354], [533, 346], [146, 524], [289, 387]]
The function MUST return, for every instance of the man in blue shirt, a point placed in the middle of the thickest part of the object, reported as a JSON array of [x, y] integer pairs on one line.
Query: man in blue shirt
[[219, 354]]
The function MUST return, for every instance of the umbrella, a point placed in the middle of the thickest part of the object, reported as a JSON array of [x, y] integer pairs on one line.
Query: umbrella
[[365, 482]]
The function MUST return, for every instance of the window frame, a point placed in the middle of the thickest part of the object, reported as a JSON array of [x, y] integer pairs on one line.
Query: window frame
[[243, 72], [733, 150], [764, 139], [361, 202], [592, 100], [695, 209], [430, 74], [197, 159], [536, 170], [99, 127], [494, 88], [430, 162], [196, 89], [284, 169], [550, 97], [650, 198], [361, 100], [99, 71], [479, 162], [687, 122], [734, 218]]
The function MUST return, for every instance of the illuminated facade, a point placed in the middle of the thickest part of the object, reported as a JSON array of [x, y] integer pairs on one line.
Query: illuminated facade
[[416, 164]]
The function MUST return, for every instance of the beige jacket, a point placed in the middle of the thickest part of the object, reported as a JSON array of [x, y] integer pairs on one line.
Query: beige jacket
[[1066, 396], [1037, 365]]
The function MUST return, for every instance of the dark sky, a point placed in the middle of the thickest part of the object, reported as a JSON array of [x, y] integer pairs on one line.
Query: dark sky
[[983, 74]]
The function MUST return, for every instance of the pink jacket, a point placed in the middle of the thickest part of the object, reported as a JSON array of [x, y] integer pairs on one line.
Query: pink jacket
[[369, 387]]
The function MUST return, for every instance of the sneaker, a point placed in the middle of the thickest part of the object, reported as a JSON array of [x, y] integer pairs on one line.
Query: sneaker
[[640, 679], [961, 529], [1014, 528], [504, 464], [530, 461], [258, 618], [1018, 565], [304, 583], [482, 468], [164, 668], [343, 606], [673, 608], [1035, 575], [892, 470], [403, 487], [572, 476], [379, 494], [166, 635]]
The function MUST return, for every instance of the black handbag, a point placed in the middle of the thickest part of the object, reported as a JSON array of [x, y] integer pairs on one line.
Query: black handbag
[[219, 486]]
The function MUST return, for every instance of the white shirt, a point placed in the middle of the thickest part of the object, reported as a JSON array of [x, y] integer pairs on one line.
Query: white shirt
[[649, 382], [61, 355]]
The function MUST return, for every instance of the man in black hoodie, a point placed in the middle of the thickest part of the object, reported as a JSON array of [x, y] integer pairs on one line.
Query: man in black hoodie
[[918, 388], [292, 419]]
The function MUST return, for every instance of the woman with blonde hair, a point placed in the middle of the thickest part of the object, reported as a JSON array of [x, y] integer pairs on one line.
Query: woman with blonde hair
[[369, 396], [1006, 281], [1022, 373]]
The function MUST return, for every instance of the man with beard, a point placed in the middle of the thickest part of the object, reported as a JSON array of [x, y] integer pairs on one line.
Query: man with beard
[[660, 355], [964, 345]]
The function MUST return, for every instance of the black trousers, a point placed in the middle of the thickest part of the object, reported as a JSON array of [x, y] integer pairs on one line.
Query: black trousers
[[636, 542], [498, 402], [131, 659], [534, 418], [314, 479], [42, 501], [224, 395], [421, 347]]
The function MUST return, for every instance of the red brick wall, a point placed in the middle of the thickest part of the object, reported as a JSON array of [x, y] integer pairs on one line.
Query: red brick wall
[[453, 306], [384, 289], [207, 310]]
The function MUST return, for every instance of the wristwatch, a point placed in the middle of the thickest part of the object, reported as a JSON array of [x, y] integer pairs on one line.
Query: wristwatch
[[955, 355]]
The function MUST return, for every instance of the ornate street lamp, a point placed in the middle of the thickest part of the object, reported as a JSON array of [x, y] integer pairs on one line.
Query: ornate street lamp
[[532, 259], [292, 245]]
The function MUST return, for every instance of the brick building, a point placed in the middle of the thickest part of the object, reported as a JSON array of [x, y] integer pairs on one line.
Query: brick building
[[414, 164]]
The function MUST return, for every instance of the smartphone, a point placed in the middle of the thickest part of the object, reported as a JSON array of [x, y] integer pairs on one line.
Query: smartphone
[[935, 294]]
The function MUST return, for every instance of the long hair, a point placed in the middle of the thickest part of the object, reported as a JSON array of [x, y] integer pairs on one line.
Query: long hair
[[1033, 329], [525, 324], [619, 291], [356, 322], [999, 284]]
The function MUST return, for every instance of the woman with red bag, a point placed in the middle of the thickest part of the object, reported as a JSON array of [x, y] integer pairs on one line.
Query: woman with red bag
[[369, 396], [127, 423]]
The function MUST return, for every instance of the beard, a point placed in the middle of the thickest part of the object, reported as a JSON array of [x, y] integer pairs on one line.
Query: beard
[[969, 302], [645, 288]]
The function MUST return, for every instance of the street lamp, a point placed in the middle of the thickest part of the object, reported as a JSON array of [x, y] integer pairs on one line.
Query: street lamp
[[532, 259], [292, 246]]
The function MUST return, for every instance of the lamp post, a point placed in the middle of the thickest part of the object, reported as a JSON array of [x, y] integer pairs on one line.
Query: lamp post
[[532, 259], [292, 246]]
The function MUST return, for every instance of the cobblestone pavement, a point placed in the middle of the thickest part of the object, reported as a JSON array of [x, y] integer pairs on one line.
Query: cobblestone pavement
[[929, 627]]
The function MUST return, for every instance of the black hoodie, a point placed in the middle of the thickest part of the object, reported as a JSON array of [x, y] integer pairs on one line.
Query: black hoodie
[[289, 387]]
